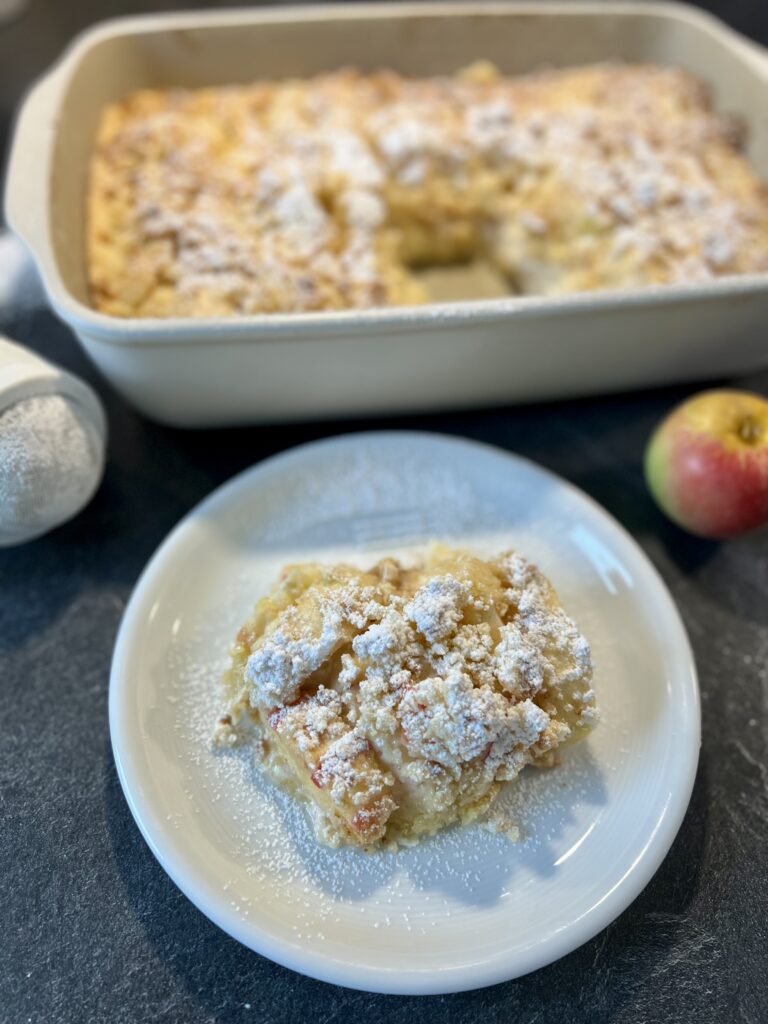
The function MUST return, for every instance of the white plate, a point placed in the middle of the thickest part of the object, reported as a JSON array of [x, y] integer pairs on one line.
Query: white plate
[[465, 909]]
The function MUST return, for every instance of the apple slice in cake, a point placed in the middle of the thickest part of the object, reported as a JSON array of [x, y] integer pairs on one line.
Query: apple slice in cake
[[397, 701]]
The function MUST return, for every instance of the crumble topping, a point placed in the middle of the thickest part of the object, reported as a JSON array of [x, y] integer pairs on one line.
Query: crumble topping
[[438, 607], [283, 661], [452, 722]]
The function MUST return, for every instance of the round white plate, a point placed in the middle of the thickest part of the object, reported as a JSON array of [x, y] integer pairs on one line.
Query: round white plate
[[467, 908]]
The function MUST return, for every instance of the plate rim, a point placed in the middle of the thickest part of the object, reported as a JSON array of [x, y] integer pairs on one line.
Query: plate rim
[[331, 969]]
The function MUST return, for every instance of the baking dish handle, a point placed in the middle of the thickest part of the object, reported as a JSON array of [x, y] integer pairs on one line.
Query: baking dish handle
[[29, 165]]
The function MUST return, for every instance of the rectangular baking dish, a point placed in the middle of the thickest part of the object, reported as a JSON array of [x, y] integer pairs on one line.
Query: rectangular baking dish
[[467, 353]]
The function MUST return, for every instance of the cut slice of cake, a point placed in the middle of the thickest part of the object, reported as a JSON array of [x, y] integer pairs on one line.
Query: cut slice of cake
[[397, 701]]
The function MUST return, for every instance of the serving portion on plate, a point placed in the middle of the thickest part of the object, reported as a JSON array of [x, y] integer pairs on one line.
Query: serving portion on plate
[[465, 907], [396, 701]]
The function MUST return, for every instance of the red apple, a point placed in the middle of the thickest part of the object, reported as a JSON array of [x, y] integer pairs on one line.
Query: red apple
[[707, 463]]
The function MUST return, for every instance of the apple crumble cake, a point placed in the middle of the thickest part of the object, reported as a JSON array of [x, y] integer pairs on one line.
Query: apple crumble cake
[[327, 193], [396, 701]]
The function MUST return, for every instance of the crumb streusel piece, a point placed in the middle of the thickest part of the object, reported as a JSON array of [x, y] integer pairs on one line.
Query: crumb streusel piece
[[325, 193], [396, 701]]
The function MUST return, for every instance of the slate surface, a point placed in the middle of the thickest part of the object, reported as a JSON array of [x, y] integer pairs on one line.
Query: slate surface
[[94, 931]]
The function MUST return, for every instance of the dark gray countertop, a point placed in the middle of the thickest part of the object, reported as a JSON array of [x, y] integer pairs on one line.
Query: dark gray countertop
[[94, 931]]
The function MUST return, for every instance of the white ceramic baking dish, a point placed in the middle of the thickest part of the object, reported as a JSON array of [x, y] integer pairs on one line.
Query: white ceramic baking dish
[[260, 368]]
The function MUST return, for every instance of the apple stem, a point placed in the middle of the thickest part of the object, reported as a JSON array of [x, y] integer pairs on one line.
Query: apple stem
[[750, 430]]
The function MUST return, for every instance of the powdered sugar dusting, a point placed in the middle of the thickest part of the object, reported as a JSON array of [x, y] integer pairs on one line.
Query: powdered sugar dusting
[[268, 833], [269, 836]]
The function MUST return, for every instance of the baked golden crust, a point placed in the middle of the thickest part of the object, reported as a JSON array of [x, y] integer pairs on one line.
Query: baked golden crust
[[395, 702], [325, 193]]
